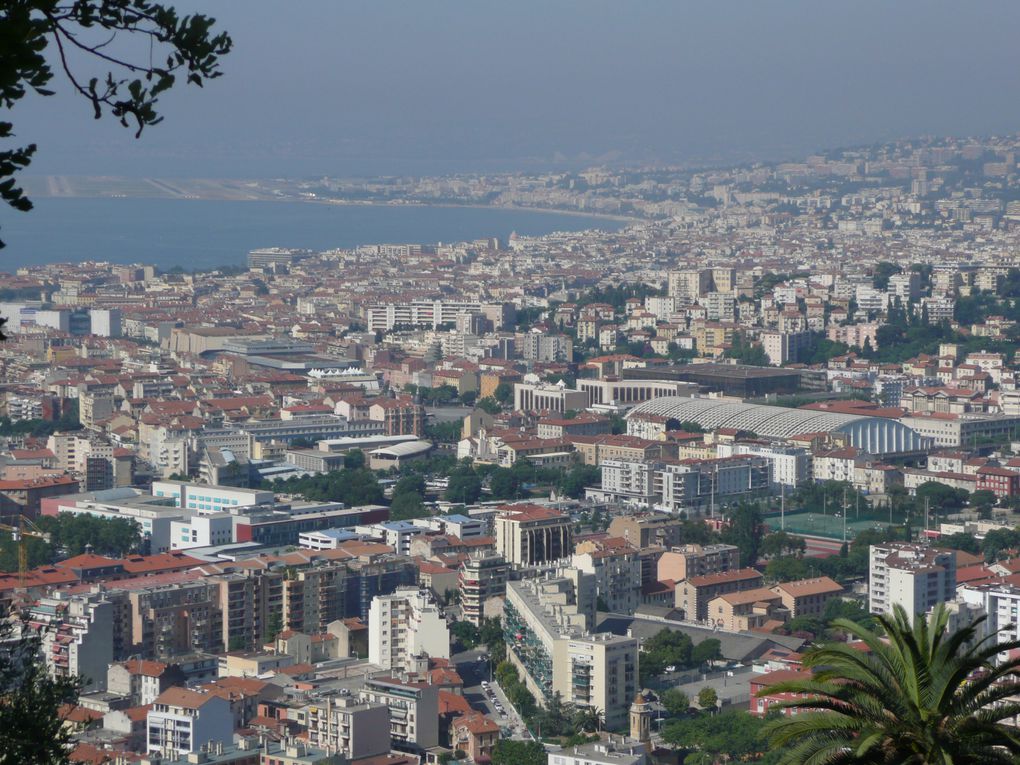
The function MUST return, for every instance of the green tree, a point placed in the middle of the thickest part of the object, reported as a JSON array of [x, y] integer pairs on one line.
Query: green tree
[[578, 478], [919, 694], [409, 484], [781, 543], [354, 459], [504, 393], [33, 727], [675, 701], [504, 484], [468, 397], [708, 698], [745, 530], [489, 405], [38, 32], [510, 752], [407, 506], [731, 736], [465, 633], [465, 486], [707, 650]]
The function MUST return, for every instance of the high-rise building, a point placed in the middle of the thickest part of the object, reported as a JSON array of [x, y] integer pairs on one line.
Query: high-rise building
[[405, 626], [911, 575], [529, 534], [482, 576], [547, 622]]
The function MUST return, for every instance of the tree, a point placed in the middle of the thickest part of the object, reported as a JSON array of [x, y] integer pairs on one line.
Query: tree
[[37, 31], [781, 543], [354, 459], [407, 506], [33, 728], [466, 633], [675, 701], [489, 405], [745, 531], [468, 397], [731, 736], [464, 486], [920, 694], [708, 698], [578, 478], [510, 752], [504, 393], [707, 650]]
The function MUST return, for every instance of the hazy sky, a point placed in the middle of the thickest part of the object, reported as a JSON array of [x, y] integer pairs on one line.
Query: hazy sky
[[375, 87]]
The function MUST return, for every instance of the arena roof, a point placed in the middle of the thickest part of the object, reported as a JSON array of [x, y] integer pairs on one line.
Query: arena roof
[[876, 435]]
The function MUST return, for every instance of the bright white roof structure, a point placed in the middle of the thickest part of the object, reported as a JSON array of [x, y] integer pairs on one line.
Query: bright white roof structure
[[876, 435]]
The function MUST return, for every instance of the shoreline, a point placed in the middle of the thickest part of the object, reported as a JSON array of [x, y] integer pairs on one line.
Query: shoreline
[[43, 194]]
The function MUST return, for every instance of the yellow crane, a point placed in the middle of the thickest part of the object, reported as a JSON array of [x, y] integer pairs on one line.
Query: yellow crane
[[22, 528]]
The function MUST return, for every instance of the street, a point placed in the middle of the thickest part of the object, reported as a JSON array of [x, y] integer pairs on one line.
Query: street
[[473, 673]]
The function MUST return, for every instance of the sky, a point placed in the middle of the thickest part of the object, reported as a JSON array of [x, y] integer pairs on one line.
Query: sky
[[352, 88]]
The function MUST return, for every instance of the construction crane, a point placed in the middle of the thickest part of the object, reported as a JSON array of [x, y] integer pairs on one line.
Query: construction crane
[[22, 528]]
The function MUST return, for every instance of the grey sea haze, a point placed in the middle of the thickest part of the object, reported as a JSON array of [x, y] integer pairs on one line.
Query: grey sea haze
[[205, 233]]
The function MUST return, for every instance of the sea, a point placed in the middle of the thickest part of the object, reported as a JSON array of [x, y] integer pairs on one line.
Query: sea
[[207, 233]]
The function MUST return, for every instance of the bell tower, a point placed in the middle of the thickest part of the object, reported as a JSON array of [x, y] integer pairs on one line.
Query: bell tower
[[641, 720]]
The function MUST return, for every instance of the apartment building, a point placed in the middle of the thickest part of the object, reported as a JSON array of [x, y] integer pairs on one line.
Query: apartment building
[[413, 709], [647, 529], [694, 594], [482, 576], [529, 534], [77, 636], [348, 725], [688, 561], [808, 597], [911, 575], [616, 566], [403, 627], [182, 721], [547, 622]]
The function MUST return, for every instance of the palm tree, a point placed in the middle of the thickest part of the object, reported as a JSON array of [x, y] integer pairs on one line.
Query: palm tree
[[920, 695]]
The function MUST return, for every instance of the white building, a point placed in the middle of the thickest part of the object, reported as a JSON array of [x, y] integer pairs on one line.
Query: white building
[[911, 575], [182, 721], [791, 465], [202, 531], [403, 626], [210, 499]]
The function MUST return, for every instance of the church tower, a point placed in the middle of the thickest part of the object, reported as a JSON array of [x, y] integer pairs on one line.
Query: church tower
[[640, 720]]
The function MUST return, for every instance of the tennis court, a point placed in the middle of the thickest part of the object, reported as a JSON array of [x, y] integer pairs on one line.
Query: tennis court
[[821, 525]]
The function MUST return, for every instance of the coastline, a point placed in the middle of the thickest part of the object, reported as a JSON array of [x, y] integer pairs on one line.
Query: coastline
[[164, 190]]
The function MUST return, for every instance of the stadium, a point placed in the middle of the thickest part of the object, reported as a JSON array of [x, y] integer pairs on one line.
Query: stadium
[[879, 436]]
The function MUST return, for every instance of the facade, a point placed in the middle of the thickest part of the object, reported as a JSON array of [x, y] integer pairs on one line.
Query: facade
[[617, 571], [404, 626], [547, 623], [349, 726], [911, 575], [548, 397], [530, 534], [182, 721], [413, 709], [688, 561], [693, 595], [808, 597], [482, 576]]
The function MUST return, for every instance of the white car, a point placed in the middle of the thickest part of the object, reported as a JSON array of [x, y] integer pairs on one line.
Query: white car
[[671, 668]]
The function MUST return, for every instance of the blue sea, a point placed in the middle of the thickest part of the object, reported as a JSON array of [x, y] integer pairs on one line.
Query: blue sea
[[205, 233]]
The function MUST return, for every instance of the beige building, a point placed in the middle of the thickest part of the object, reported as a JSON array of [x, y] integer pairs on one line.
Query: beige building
[[746, 610], [808, 597], [687, 561], [693, 595], [348, 725], [547, 622], [529, 534]]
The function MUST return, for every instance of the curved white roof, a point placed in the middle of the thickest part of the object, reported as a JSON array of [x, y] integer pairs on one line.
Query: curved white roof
[[406, 449], [877, 435]]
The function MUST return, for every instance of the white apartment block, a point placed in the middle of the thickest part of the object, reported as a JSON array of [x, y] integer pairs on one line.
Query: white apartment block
[[911, 575], [542, 396], [183, 721], [791, 465], [403, 627]]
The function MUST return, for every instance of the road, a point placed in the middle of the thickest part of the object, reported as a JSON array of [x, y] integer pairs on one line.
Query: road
[[473, 672]]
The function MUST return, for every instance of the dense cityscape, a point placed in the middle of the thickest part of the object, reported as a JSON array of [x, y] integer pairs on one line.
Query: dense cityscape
[[590, 498]]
